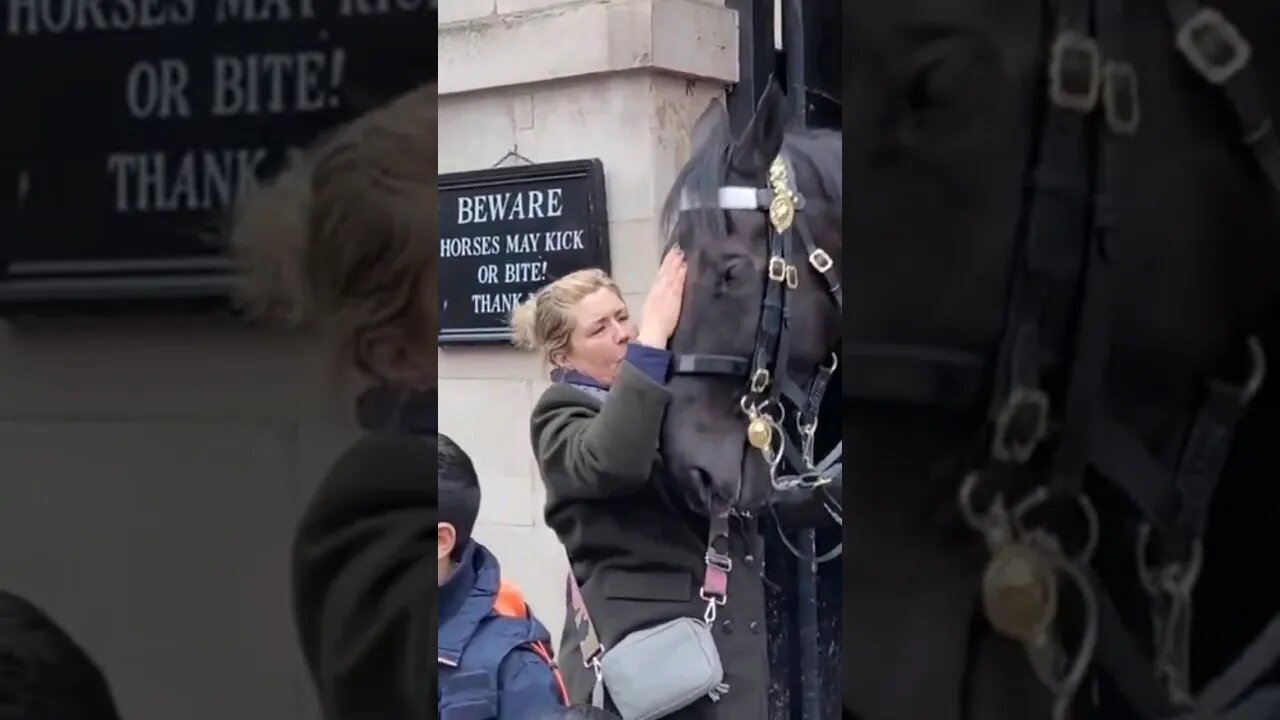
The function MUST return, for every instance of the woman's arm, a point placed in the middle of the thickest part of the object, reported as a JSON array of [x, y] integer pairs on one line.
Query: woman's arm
[[587, 453], [364, 581]]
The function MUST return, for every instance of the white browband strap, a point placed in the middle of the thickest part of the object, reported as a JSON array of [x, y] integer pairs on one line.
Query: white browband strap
[[731, 198]]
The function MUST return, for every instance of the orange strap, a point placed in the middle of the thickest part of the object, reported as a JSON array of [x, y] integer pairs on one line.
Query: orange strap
[[510, 603], [543, 652]]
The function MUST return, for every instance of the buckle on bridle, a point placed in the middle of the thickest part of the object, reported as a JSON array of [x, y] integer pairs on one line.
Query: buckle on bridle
[[760, 380], [1213, 45], [1075, 72], [719, 561], [821, 261], [793, 277], [1120, 97], [777, 269], [1021, 426]]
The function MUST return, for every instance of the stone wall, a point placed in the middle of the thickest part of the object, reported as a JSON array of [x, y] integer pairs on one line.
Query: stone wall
[[152, 474]]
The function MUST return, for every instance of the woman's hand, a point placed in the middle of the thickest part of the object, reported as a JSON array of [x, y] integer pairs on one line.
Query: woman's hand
[[662, 307]]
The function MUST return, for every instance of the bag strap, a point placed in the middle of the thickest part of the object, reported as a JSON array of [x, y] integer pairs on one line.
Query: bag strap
[[588, 641], [715, 578], [715, 592]]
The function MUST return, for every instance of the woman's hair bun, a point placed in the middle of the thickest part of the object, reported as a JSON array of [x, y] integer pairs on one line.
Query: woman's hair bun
[[524, 324]]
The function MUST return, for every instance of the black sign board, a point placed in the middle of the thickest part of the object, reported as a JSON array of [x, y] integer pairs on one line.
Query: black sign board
[[129, 127], [506, 232]]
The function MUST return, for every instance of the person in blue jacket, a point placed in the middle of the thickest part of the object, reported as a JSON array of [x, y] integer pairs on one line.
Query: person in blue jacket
[[494, 657]]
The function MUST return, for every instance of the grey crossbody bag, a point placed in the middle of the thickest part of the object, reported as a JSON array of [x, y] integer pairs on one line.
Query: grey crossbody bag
[[657, 671]]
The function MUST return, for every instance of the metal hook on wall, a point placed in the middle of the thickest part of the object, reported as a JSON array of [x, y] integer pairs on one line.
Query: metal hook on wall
[[513, 154]]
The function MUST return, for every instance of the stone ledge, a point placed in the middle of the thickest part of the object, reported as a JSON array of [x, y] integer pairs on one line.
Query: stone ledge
[[689, 38]]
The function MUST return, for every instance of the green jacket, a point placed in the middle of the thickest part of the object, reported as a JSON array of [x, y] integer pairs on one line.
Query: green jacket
[[636, 551]]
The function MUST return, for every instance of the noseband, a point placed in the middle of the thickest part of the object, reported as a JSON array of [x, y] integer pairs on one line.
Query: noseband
[[769, 389]]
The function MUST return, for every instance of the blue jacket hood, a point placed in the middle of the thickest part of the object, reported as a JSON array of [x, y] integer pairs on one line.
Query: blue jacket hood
[[467, 602]]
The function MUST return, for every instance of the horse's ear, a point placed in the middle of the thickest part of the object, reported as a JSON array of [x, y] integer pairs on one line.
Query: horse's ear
[[713, 122], [762, 140]]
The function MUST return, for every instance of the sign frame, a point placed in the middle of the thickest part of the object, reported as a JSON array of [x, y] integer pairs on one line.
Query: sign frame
[[597, 226], [178, 102], [109, 287]]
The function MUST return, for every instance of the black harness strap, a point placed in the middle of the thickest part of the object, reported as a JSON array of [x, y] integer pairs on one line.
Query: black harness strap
[[939, 377], [1083, 423], [1176, 503], [1262, 705], [819, 261], [1216, 49], [1093, 328], [1050, 270], [1258, 659], [1207, 447], [1118, 656], [771, 348], [1120, 457]]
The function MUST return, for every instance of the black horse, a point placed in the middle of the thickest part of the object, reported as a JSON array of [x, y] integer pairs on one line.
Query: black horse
[[739, 327], [751, 424], [1057, 243]]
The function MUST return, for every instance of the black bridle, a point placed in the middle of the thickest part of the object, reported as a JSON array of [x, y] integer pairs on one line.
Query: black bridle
[[769, 387], [1057, 340]]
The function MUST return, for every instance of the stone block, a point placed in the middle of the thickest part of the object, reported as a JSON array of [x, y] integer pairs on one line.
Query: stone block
[[636, 251], [510, 7], [456, 11], [116, 369], [149, 539], [685, 37], [497, 363], [490, 420], [477, 130], [607, 118]]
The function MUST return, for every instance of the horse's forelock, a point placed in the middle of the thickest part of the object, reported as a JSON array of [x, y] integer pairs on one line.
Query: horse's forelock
[[700, 180]]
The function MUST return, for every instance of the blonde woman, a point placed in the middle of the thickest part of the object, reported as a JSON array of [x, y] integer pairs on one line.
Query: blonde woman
[[637, 552], [343, 240]]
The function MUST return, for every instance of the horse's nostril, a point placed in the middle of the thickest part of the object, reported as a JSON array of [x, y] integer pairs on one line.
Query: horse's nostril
[[701, 477]]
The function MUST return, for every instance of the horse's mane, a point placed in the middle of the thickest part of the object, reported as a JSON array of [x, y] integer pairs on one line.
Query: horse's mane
[[818, 158], [815, 154]]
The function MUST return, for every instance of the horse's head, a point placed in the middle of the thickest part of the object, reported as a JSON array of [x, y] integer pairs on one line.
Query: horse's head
[[747, 344]]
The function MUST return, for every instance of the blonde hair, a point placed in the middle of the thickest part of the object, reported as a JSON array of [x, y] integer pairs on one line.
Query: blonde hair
[[344, 237], [543, 324]]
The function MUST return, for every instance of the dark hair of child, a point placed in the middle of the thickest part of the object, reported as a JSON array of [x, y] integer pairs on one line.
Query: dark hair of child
[[459, 490]]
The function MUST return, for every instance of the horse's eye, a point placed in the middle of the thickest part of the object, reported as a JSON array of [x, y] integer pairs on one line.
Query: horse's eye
[[732, 273]]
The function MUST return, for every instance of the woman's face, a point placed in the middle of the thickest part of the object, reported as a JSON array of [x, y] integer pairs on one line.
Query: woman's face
[[602, 327]]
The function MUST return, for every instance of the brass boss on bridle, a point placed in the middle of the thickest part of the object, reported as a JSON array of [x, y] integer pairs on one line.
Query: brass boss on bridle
[[769, 388]]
